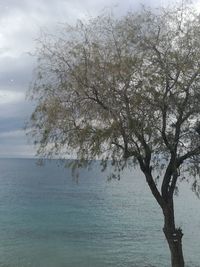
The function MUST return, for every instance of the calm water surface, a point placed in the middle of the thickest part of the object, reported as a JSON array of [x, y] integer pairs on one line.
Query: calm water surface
[[48, 220]]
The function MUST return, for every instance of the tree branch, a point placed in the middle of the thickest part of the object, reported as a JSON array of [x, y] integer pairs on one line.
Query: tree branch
[[189, 154], [150, 181]]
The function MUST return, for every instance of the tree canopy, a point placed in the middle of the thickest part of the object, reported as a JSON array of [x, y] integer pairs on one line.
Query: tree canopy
[[120, 88]]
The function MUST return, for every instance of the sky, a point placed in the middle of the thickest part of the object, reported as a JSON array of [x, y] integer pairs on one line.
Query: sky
[[21, 22]]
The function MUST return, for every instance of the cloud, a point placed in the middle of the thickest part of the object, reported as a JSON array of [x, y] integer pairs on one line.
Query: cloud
[[14, 144], [16, 72], [7, 97], [12, 134], [16, 151], [20, 21], [11, 124], [18, 110]]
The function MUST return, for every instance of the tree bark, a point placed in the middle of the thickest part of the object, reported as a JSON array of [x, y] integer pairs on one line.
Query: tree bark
[[173, 235]]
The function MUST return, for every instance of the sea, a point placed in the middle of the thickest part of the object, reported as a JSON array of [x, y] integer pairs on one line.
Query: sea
[[50, 219]]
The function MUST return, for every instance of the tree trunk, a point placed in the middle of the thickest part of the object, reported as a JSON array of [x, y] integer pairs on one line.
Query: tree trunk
[[173, 235]]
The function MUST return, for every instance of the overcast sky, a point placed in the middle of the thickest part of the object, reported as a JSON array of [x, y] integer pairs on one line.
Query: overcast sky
[[20, 24]]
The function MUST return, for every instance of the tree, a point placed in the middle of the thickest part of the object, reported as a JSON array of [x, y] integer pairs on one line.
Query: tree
[[127, 90]]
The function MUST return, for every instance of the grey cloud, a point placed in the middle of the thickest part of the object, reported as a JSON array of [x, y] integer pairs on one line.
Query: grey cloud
[[21, 109], [11, 124], [16, 150], [16, 72], [14, 144]]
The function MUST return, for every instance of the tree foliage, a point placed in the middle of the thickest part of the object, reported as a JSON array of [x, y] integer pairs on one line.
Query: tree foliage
[[123, 89]]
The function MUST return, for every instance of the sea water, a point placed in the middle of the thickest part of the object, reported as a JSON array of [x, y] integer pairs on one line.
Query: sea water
[[47, 219]]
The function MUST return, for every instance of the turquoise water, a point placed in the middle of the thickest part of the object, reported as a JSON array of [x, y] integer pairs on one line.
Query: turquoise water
[[48, 220]]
